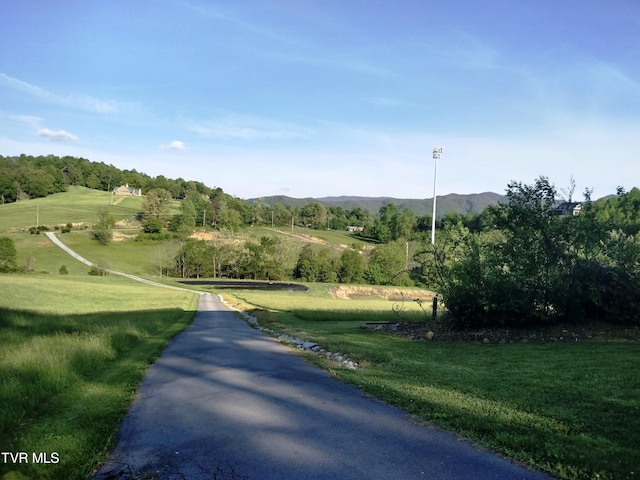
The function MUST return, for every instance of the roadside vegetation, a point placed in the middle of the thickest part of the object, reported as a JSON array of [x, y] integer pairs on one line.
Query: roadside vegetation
[[72, 352], [569, 409]]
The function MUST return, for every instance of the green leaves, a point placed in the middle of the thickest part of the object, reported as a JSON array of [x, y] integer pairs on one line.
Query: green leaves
[[530, 264]]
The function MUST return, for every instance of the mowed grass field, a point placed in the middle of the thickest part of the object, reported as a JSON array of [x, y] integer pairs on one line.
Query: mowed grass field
[[78, 205], [569, 409], [72, 352]]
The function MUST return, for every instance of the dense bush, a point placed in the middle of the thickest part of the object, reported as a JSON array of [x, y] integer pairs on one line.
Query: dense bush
[[152, 225], [98, 271], [531, 265]]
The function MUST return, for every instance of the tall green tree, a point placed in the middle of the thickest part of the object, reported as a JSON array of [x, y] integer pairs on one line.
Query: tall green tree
[[314, 215], [387, 265], [103, 229], [8, 190], [156, 204], [352, 266], [8, 255]]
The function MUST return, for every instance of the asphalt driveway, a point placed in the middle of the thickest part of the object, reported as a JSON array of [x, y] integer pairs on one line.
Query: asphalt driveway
[[224, 401]]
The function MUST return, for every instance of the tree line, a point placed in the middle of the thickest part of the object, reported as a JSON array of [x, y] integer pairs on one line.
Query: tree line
[[28, 176]]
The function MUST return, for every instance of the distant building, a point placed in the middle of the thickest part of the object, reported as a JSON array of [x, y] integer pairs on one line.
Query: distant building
[[127, 190], [569, 209], [353, 228]]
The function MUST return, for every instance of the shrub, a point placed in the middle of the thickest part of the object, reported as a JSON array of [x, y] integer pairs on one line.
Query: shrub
[[98, 271], [63, 270], [152, 237], [152, 226]]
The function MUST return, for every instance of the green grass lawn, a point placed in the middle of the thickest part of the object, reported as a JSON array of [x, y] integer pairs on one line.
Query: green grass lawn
[[123, 254], [570, 409], [77, 205], [72, 352]]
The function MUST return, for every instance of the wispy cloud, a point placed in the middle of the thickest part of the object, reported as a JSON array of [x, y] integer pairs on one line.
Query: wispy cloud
[[29, 120], [249, 128], [174, 145], [388, 102], [74, 100], [56, 135]]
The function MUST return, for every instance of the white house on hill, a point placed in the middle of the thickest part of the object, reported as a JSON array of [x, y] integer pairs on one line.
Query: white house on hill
[[126, 190]]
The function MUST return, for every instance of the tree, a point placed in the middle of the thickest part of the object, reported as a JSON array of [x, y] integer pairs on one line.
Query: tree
[[314, 215], [316, 266], [153, 225], [263, 261], [535, 252], [306, 266], [103, 229], [218, 205], [402, 224], [185, 221], [528, 265], [229, 219], [156, 204], [8, 190], [387, 265], [352, 266], [8, 255], [193, 259]]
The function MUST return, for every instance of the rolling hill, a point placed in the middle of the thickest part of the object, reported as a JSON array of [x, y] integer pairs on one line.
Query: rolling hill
[[471, 203]]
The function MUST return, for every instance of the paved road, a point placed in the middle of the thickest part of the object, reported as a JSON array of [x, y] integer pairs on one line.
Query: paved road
[[224, 401]]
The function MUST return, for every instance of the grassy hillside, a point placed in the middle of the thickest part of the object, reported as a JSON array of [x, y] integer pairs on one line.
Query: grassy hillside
[[79, 205]]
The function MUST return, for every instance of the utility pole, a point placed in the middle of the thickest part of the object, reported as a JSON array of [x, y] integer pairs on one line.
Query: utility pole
[[406, 256], [37, 216], [204, 213], [437, 152]]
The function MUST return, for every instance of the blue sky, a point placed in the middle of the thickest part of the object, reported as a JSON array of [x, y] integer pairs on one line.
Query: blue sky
[[331, 97]]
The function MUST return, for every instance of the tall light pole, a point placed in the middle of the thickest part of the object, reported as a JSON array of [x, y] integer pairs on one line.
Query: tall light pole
[[437, 152]]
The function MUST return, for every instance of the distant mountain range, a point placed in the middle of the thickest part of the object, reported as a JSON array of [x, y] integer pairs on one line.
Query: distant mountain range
[[472, 203]]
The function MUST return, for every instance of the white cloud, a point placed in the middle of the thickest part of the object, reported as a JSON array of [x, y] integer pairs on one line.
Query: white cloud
[[84, 102], [248, 128], [29, 120], [174, 145], [56, 135]]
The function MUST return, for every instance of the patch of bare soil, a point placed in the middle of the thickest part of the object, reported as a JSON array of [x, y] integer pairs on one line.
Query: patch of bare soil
[[304, 237], [346, 292], [120, 236], [444, 332], [219, 237]]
